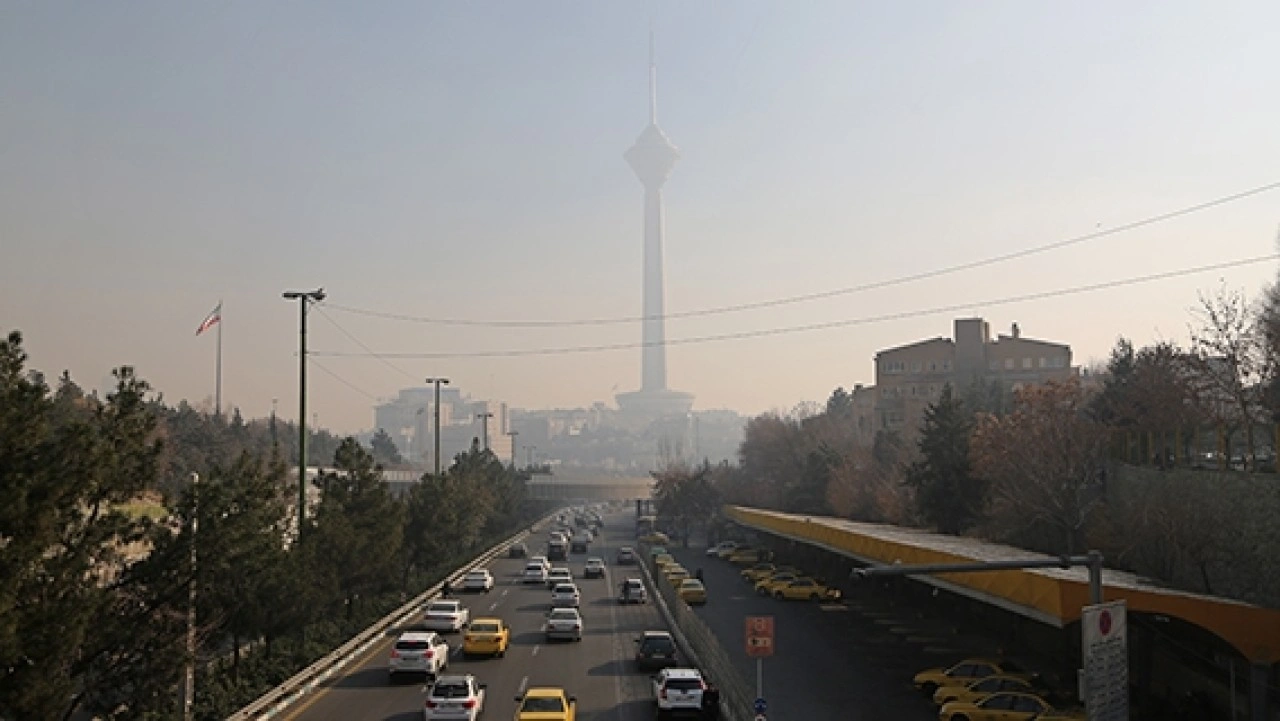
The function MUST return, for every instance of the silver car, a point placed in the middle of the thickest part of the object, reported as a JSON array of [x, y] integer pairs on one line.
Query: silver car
[[565, 595], [564, 623]]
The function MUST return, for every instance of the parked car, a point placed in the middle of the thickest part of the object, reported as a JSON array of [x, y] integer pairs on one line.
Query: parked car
[[486, 637], [723, 546], [983, 687], [445, 615], [692, 592], [418, 652], [968, 670], [564, 623], [479, 580], [454, 697], [806, 589], [654, 650], [1004, 706]]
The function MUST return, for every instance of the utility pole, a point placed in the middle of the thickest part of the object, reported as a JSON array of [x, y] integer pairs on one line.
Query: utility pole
[[513, 435], [484, 426], [189, 675], [438, 382], [303, 298]]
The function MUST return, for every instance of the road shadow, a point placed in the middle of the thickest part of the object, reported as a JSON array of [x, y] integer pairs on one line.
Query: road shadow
[[610, 668], [375, 677], [406, 716]]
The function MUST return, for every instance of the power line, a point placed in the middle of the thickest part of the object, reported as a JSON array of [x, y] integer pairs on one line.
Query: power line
[[819, 295], [358, 342], [787, 330], [340, 379]]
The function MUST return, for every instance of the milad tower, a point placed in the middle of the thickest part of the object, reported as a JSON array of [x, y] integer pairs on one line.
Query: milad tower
[[652, 157]]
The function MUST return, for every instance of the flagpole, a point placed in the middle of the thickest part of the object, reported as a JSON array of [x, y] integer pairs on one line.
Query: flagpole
[[217, 397]]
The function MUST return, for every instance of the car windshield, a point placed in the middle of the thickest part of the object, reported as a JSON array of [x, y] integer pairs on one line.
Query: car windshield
[[485, 627], [478, 574], [456, 689], [691, 584], [542, 704], [533, 567], [633, 585]]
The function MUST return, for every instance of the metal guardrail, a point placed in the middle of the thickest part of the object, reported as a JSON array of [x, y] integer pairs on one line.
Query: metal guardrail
[[700, 646], [306, 680]]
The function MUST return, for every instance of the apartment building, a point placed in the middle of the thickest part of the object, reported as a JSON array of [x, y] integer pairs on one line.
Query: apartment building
[[911, 377]]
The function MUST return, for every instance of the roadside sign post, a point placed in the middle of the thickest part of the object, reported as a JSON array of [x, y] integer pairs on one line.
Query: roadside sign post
[[1106, 661], [759, 638]]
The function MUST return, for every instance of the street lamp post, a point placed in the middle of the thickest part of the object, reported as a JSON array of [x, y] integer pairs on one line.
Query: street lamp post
[[513, 435], [438, 382], [303, 297], [484, 426], [189, 675]]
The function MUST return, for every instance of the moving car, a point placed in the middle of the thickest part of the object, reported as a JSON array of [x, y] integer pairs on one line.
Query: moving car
[[594, 568], [632, 590], [564, 623], [655, 650], [806, 589], [965, 672], [723, 546], [678, 690], [546, 704], [480, 580], [692, 592], [558, 576], [565, 595], [626, 556], [418, 652], [517, 550], [657, 537], [534, 573], [446, 615], [1004, 706], [486, 637], [543, 560], [454, 697], [977, 690]]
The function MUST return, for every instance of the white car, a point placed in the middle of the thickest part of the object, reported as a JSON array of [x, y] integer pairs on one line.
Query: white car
[[418, 652], [454, 697], [446, 616], [565, 595], [558, 576], [534, 573], [480, 580], [678, 689], [594, 568], [723, 546], [564, 623], [542, 560]]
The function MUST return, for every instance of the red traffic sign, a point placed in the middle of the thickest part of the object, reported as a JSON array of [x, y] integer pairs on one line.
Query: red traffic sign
[[759, 636]]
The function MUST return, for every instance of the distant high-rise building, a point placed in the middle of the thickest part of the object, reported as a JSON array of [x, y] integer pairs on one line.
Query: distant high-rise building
[[652, 157]]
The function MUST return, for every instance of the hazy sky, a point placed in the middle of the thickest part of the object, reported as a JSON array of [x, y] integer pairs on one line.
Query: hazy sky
[[464, 160]]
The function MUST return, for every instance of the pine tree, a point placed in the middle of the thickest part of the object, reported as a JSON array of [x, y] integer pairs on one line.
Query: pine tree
[[947, 493]]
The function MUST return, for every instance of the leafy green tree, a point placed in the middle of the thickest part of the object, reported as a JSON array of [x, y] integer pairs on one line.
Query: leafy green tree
[[358, 531], [384, 449], [947, 493]]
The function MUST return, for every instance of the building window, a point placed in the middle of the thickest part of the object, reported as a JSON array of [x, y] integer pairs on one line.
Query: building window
[[1044, 362], [1008, 364], [1026, 362], [946, 365], [915, 367], [933, 366], [1059, 362]]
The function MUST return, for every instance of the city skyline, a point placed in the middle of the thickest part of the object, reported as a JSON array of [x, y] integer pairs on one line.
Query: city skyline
[[458, 165]]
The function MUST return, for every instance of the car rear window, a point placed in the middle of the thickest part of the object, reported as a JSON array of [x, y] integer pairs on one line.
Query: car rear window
[[412, 645], [450, 690], [657, 645], [564, 615], [542, 704], [484, 627], [684, 684], [442, 608]]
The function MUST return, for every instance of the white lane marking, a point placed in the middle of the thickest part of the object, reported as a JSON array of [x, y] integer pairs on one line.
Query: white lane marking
[[506, 591], [524, 684], [535, 649], [493, 605]]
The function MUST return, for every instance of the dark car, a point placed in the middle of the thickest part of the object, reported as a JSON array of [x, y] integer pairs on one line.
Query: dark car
[[626, 556], [632, 591], [518, 550], [655, 650]]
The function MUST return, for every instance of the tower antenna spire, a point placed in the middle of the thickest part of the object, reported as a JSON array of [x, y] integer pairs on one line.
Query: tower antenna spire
[[653, 79]]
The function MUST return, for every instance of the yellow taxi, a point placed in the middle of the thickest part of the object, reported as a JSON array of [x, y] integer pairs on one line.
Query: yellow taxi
[[1004, 706], [977, 690], [758, 571], [806, 589], [966, 672], [546, 704], [486, 637], [663, 560], [655, 538], [766, 586], [692, 592], [747, 556], [676, 574]]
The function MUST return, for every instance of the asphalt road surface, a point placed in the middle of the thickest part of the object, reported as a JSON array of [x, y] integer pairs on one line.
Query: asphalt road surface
[[597, 670]]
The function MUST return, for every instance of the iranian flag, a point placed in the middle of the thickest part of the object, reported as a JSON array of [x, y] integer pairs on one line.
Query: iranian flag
[[211, 320]]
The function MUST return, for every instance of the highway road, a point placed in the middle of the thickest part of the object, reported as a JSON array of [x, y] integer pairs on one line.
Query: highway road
[[598, 670]]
